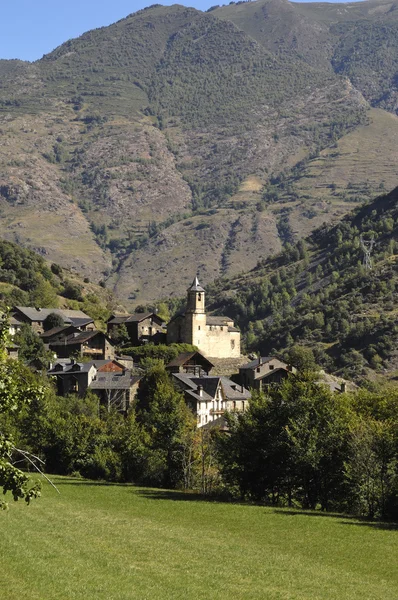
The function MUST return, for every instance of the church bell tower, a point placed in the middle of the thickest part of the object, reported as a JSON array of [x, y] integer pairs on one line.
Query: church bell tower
[[195, 316], [196, 298]]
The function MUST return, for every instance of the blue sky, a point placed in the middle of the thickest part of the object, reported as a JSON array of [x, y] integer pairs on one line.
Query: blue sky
[[31, 28]]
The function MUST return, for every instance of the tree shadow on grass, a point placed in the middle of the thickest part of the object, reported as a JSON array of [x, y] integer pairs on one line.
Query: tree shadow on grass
[[345, 519], [87, 482], [156, 494], [383, 525]]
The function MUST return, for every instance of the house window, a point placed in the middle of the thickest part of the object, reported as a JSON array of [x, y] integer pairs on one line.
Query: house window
[[271, 367], [232, 344], [222, 328], [258, 369], [199, 327]]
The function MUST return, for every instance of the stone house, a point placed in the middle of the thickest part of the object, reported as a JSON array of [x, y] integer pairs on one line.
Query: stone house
[[193, 363], [116, 390], [210, 397], [264, 371], [216, 337], [73, 377], [36, 316], [94, 344], [141, 327], [58, 333]]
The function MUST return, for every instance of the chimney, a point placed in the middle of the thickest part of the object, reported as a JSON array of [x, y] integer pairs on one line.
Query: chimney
[[199, 390], [343, 387], [259, 360]]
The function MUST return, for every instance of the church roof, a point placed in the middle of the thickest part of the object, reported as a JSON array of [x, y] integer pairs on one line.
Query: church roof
[[195, 287]]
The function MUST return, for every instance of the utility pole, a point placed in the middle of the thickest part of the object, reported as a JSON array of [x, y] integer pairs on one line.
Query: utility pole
[[367, 247]]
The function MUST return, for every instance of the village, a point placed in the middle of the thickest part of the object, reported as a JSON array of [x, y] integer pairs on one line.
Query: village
[[214, 377]]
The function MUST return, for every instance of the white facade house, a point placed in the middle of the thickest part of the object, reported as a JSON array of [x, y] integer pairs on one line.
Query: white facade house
[[210, 397]]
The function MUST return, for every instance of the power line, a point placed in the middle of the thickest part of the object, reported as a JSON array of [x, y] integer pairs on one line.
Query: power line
[[367, 247]]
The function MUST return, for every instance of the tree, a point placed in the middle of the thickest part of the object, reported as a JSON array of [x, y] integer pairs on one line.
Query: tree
[[53, 320], [120, 335], [31, 346], [289, 445], [44, 294], [162, 411], [17, 388], [302, 358]]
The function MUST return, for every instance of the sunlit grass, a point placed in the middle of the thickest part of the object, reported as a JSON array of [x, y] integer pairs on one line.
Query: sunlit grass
[[118, 542]]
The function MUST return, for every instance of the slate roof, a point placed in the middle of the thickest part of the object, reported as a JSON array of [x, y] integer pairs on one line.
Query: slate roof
[[195, 287], [40, 314], [119, 320], [256, 363], [55, 331], [210, 320], [69, 367], [81, 322], [135, 318], [113, 381], [190, 385], [234, 391], [210, 385], [78, 338], [181, 359]]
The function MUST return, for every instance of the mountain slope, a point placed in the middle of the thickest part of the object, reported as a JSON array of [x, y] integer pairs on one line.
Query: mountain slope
[[321, 295], [146, 150]]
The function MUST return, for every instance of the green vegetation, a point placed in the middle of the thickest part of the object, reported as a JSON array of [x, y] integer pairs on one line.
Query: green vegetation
[[101, 542], [301, 444], [18, 390], [157, 351], [27, 280], [320, 294], [29, 277]]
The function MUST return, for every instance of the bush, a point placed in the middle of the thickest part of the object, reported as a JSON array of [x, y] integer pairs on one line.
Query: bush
[[72, 291]]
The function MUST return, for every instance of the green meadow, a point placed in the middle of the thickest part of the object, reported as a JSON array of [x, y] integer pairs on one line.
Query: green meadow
[[115, 542]]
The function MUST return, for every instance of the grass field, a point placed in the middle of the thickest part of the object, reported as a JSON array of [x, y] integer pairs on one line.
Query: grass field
[[114, 542]]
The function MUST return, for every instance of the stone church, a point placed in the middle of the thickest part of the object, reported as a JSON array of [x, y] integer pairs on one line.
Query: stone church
[[216, 337]]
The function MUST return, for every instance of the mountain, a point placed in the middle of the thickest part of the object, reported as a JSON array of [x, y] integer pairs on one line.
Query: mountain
[[320, 294], [176, 141]]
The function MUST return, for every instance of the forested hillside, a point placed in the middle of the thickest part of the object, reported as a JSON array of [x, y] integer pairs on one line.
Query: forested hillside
[[176, 141], [26, 279], [318, 293]]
